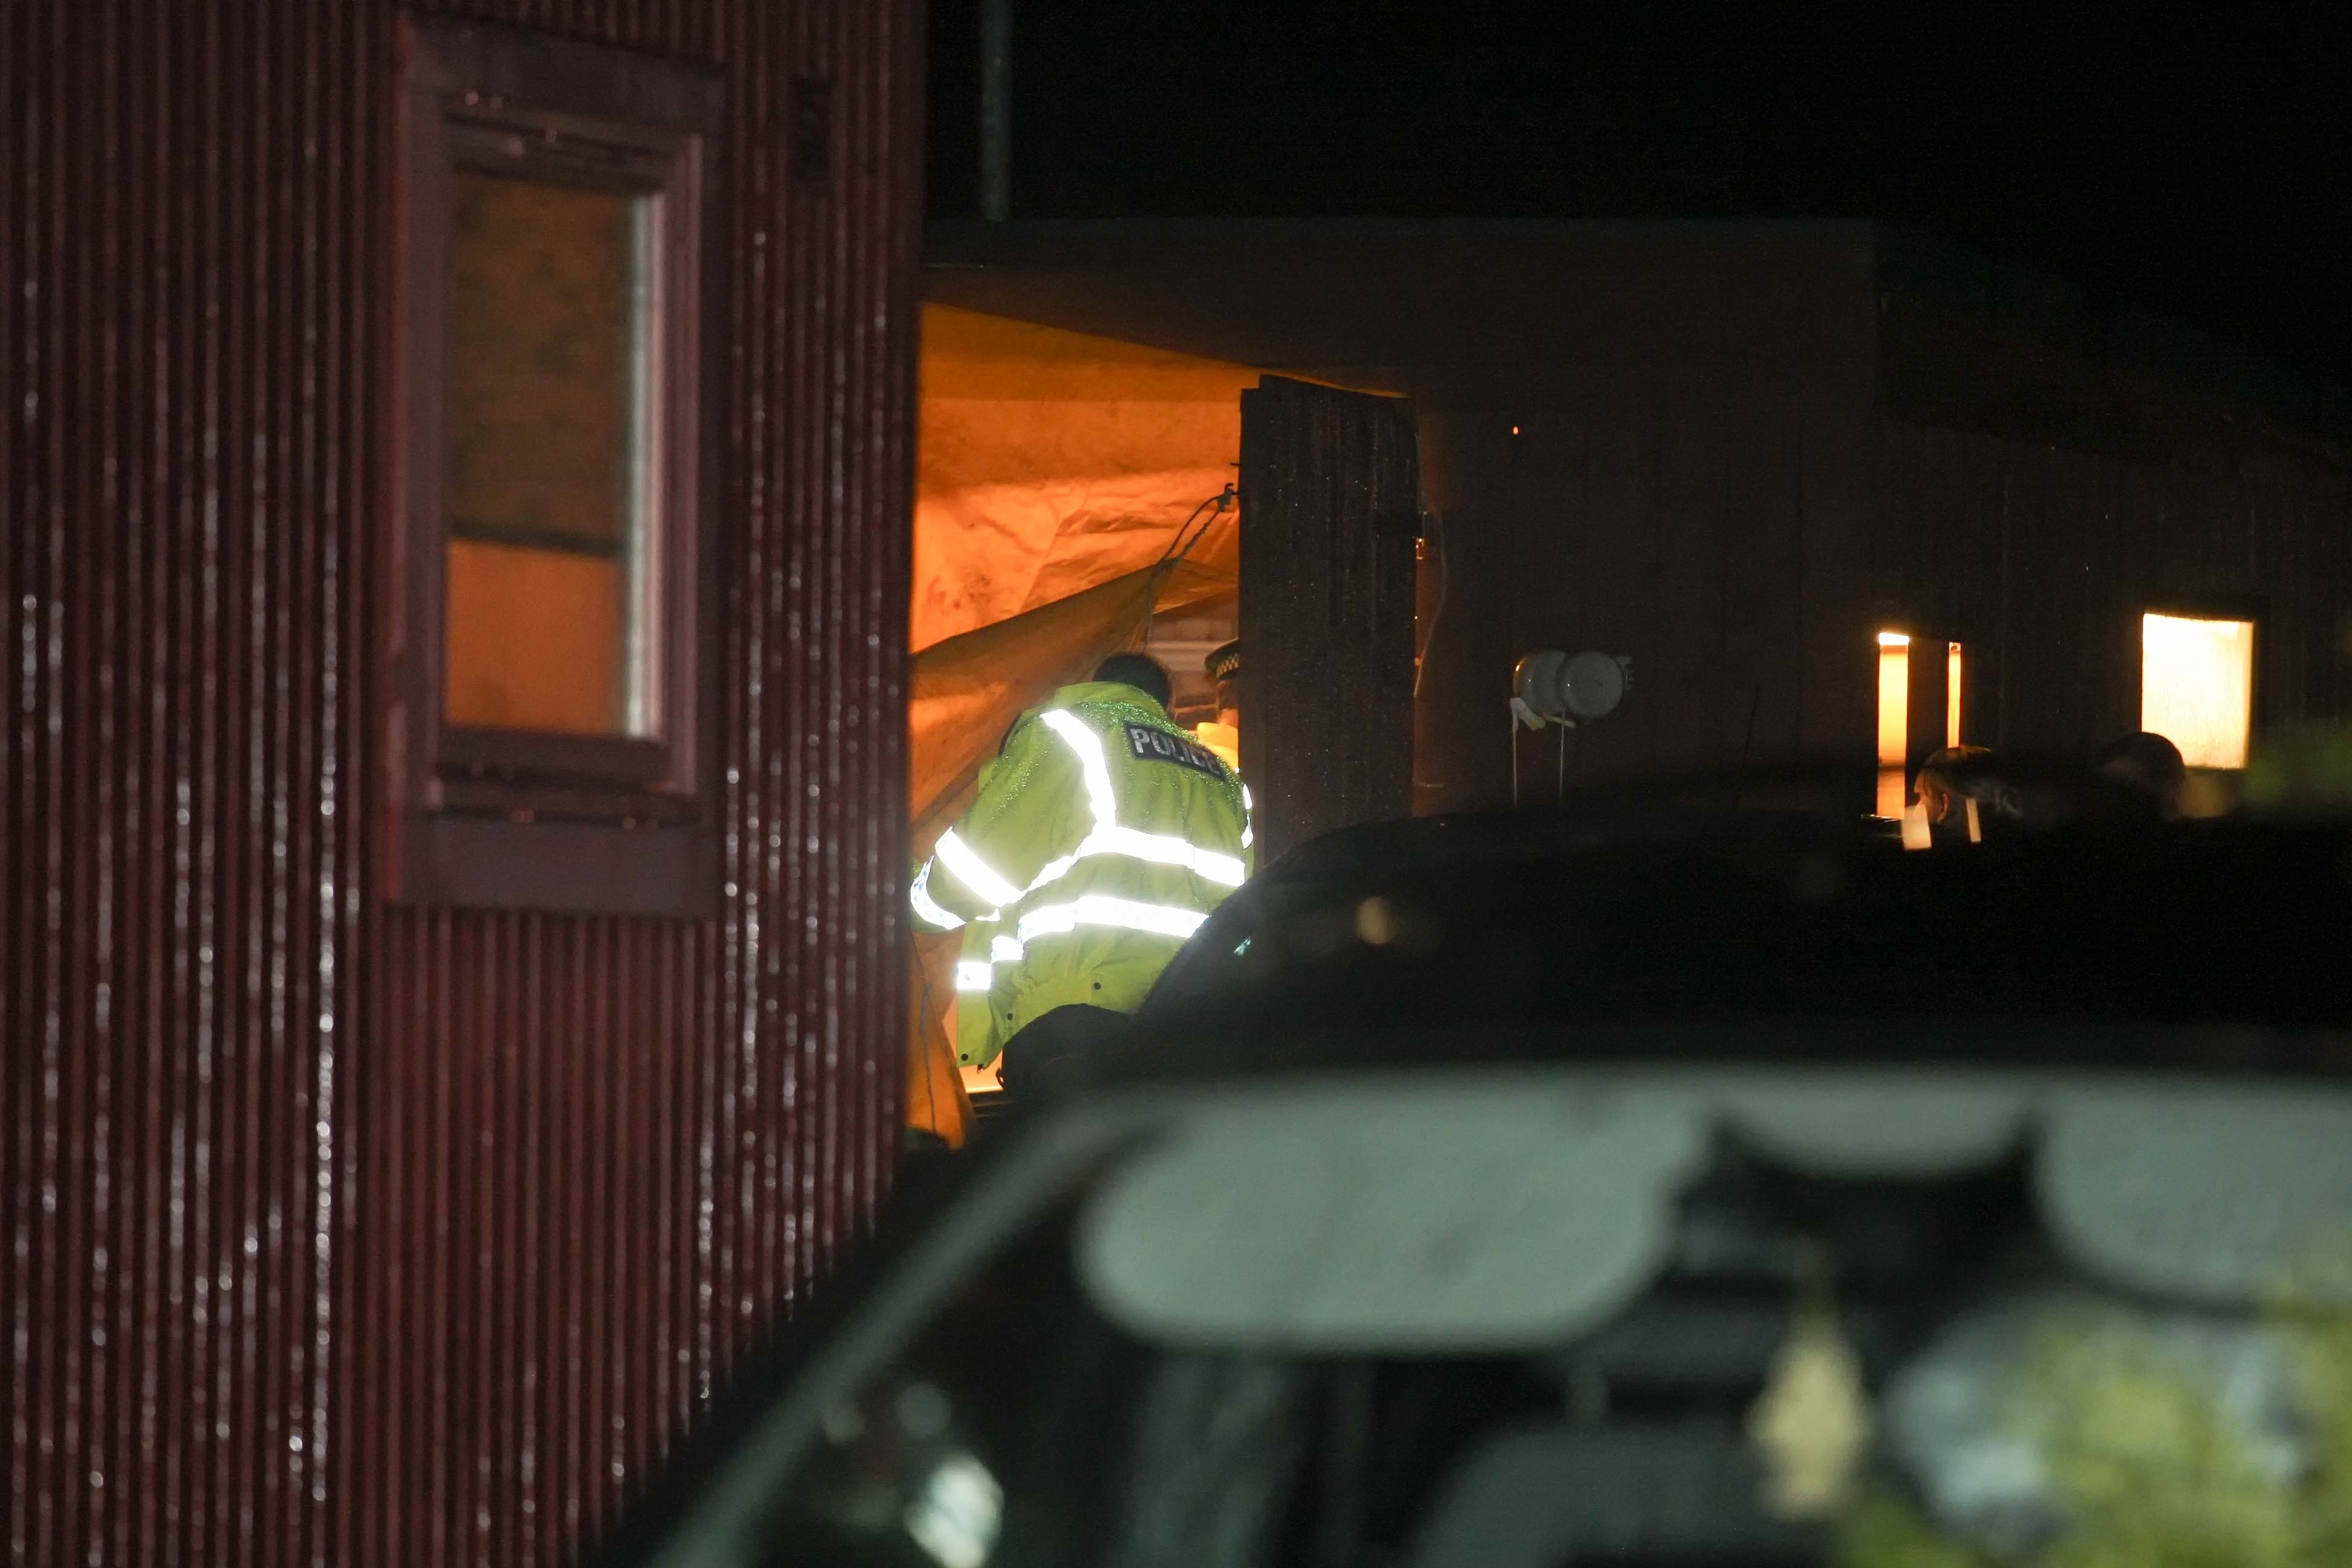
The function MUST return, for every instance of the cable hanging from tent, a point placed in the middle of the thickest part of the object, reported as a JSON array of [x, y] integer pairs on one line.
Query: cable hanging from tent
[[1179, 546]]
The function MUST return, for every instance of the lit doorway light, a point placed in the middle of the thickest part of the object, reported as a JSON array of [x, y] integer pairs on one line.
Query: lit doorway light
[[1894, 720], [1952, 671]]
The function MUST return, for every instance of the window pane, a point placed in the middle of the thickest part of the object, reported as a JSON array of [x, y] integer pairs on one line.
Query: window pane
[[533, 642], [2197, 686], [547, 472]]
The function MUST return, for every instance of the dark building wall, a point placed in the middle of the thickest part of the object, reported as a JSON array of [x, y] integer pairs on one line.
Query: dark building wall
[[1669, 468], [1718, 540], [1907, 441], [2045, 468], [335, 1232], [2042, 558], [1456, 315], [1963, 344]]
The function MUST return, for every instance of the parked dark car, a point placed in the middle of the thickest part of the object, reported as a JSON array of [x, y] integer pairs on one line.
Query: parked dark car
[[1655, 1182]]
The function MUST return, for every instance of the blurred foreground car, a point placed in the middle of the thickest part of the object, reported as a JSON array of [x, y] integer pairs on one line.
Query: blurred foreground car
[[1632, 1186]]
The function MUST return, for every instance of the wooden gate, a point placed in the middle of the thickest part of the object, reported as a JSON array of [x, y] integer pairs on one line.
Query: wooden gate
[[1330, 506]]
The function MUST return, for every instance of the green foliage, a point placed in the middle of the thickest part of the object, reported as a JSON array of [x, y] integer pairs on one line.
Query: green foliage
[[2149, 1468], [1883, 1531]]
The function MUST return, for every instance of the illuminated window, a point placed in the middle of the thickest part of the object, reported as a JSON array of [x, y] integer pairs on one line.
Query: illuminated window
[[549, 694], [549, 435], [1894, 720], [2197, 686]]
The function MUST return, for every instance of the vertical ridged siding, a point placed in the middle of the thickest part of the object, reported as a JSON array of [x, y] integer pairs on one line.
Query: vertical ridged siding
[[1330, 502], [337, 1233], [2042, 558]]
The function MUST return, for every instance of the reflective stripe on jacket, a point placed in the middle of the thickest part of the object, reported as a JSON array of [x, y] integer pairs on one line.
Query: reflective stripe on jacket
[[1100, 838]]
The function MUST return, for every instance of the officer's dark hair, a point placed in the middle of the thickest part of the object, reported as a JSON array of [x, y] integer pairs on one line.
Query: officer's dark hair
[[2144, 760], [1140, 670]]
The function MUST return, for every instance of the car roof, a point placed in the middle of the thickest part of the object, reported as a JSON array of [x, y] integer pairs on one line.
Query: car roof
[[1501, 935]]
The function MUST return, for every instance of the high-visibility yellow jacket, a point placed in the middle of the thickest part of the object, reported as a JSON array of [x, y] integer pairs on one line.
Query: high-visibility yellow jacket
[[1102, 836]]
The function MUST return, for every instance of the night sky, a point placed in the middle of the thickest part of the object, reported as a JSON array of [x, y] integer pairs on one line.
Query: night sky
[[2195, 161]]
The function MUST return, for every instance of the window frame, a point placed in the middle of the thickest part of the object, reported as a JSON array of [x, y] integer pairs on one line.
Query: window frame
[[515, 818]]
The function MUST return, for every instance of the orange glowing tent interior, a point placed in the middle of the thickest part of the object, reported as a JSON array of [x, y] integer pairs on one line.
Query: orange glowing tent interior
[[1056, 475]]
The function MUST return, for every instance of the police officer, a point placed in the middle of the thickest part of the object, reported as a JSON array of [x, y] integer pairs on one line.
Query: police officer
[[1101, 837], [1222, 734]]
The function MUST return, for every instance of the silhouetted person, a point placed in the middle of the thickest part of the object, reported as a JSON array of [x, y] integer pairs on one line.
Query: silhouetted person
[[1947, 781], [1222, 734], [2149, 764]]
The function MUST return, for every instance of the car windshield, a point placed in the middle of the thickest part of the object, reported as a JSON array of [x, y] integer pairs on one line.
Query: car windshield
[[1887, 1323]]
